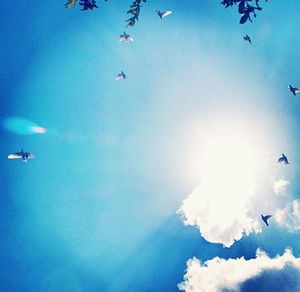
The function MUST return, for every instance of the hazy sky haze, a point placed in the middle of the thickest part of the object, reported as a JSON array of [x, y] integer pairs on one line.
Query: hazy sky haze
[[96, 208]]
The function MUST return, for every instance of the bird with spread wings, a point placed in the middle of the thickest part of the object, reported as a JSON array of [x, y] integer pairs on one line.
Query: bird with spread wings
[[294, 90], [163, 14], [284, 159], [266, 218], [21, 155]]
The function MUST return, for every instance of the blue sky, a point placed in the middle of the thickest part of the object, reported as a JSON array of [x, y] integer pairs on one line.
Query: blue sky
[[96, 209]]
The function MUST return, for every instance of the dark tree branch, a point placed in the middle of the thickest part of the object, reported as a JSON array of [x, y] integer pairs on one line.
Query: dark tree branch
[[134, 10], [244, 8], [87, 4]]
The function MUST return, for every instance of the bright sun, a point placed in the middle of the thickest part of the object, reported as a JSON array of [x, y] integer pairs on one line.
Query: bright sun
[[229, 164], [230, 167], [228, 154]]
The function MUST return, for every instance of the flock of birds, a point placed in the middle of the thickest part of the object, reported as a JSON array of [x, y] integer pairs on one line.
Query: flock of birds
[[293, 90], [128, 38], [25, 156], [283, 158]]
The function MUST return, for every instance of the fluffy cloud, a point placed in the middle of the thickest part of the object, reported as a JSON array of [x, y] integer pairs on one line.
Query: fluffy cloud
[[224, 205], [219, 213], [217, 274], [289, 216], [280, 186]]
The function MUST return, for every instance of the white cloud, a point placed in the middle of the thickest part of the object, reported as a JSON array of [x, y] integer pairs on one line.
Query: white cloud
[[289, 216], [219, 274], [280, 187], [218, 220], [222, 206]]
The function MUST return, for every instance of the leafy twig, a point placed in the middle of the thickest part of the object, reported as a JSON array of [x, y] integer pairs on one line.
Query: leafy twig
[[70, 3], [135, 9], [244, 8], [87, 4]]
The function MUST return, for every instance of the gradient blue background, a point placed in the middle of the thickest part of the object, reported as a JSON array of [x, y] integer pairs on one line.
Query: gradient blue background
[[95, 211]]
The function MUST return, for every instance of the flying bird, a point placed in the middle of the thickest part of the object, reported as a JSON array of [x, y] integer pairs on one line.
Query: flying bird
[[21, 155], [125, 37], [266, 218], [294, 90], [163, 14], [121, 76], [247, 39], [284, 159]]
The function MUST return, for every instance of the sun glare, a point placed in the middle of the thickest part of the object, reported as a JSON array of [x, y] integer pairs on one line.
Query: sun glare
[[220, 205], [229, 166], [228, 154]]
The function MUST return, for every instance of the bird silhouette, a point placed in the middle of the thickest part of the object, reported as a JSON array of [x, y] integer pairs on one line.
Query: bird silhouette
[[266, 218], [294, 90], [284, 159], [21, 155], [121, 76], [125, 37], [247, 39], [163, 14]]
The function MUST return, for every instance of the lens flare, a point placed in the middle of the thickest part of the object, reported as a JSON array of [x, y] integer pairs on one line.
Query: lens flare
[[22, 126], [38, 130]]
